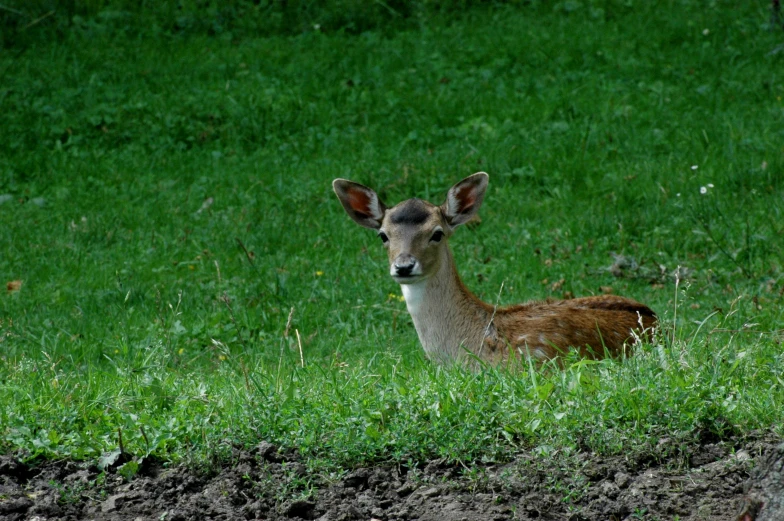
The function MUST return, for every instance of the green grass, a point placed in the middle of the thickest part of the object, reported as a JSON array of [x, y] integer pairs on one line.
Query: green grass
[[169, 205]]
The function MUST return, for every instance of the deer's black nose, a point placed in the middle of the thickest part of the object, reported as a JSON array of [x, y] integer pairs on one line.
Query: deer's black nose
[[404, 265]]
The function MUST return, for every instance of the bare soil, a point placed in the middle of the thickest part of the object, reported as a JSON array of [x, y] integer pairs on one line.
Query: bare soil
[[705, 481]]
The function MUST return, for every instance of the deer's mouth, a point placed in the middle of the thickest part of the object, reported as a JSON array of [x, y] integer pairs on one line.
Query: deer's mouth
[[408, 279]]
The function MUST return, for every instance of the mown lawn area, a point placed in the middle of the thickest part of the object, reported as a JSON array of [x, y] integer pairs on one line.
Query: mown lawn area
[[178, 277]]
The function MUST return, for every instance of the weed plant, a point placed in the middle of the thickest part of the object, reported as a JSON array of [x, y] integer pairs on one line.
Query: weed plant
[[178, 274]]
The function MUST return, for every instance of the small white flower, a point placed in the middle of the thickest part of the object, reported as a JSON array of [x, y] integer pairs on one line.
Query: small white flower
[[703, 190], [678, 194], [694, 167], [710, 185], [706, 32]]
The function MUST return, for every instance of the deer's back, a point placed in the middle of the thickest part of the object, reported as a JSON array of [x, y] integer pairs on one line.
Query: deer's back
[[596, 326]]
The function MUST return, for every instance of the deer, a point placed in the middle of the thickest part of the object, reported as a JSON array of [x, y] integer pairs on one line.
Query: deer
[[454, 325]]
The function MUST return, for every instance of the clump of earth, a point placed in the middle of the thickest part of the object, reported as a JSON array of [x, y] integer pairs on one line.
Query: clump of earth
[[734, 479]]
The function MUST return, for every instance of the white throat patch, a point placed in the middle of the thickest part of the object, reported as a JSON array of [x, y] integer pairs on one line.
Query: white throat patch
[[414, 295]]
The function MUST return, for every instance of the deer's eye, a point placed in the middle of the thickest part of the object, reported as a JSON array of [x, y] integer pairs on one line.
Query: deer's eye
[[383, 237], [437, 236]]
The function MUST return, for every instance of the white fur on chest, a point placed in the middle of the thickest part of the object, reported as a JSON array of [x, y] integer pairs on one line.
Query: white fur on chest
[[434, 333]]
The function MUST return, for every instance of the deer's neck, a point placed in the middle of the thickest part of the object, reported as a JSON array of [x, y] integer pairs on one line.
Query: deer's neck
[[450, 321]]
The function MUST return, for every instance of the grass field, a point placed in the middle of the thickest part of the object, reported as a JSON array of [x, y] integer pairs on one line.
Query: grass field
[[189, 281]]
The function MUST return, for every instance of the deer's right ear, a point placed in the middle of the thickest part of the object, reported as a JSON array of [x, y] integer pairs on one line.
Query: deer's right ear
[[360, 202], [464, 199]]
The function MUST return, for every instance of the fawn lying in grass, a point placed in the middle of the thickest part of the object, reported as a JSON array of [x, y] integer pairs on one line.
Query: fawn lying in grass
[[451, 322]]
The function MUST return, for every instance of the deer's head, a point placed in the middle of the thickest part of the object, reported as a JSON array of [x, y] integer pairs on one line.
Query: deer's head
[[414, 232]]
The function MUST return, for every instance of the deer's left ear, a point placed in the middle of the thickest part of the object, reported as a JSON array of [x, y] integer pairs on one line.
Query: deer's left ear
[[360, 202], [464, 199]]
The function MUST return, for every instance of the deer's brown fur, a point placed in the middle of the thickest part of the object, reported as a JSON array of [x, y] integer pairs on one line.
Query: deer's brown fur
[[451, 322]]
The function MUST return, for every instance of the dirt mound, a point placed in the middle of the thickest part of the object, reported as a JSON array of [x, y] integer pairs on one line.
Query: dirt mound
[[706, 482], [764, 498]]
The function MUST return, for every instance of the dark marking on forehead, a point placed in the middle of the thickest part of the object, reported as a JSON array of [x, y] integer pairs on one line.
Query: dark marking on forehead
[[413, 211]]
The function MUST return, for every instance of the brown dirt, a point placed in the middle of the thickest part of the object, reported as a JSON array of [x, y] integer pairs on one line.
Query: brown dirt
[[707, 481], [764, 495]]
